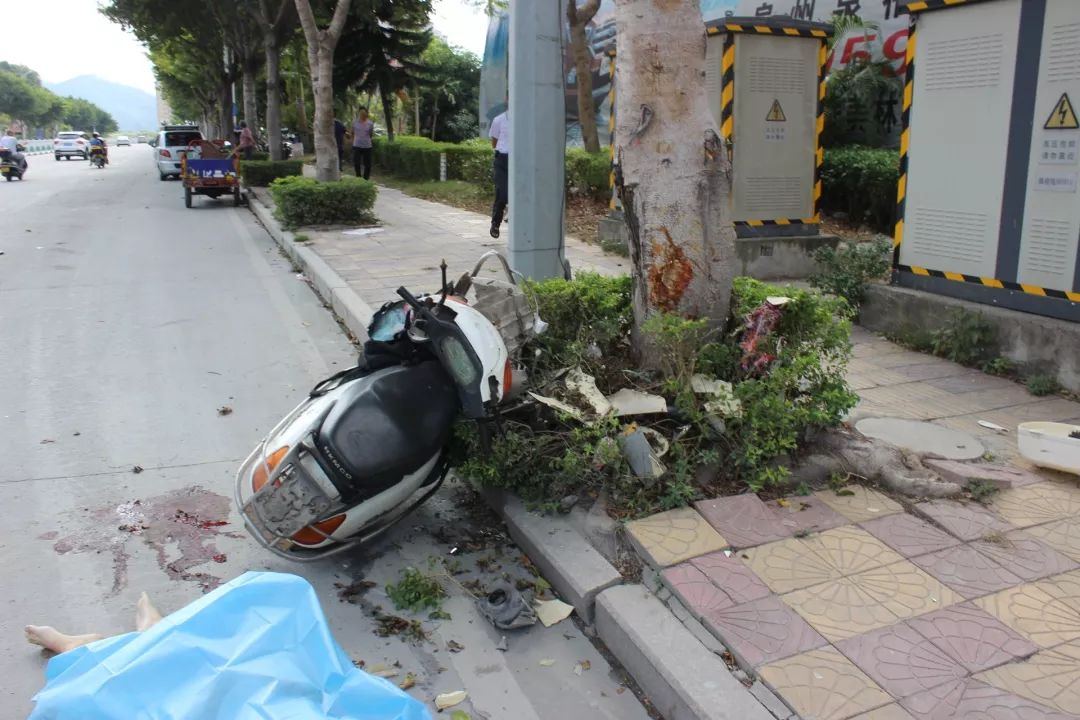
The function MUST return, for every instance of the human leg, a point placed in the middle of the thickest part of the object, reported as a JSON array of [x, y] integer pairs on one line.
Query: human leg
[[52, 639], [502, 165], [365, 156], [357, 157]]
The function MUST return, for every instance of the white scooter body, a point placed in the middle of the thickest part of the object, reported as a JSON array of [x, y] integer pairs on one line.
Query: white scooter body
[[283, 461]]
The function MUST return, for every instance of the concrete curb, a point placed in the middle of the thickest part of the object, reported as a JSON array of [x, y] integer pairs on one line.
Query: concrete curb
[[331, 287], [576, 570], [683, 680]]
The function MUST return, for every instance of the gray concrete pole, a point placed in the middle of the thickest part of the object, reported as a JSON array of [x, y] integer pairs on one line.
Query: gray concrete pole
[[538, 137]]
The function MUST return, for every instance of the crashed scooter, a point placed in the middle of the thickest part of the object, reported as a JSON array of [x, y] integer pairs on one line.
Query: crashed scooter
[[369, 444]]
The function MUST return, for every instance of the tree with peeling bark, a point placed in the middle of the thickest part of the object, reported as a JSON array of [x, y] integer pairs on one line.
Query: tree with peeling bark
[[579, 16], [673, 174], [321, 44], [277, 21]]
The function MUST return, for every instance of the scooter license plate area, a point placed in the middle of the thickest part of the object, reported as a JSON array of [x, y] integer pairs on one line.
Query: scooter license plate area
[[284, 508]]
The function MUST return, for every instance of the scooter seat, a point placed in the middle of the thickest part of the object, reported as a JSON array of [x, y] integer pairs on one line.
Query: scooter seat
[[385, 426]]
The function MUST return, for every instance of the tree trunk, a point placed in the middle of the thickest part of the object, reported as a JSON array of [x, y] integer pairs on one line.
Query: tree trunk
[[388, 108], [251, 112], [301, 112], [273, 94], [579, 17], [321, 45], [674, 175], [326, 159], [434, 118], [225, 109], [416, 109]]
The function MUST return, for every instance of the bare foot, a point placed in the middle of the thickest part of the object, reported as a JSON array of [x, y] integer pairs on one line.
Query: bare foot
[[146, 615], [52, 639]]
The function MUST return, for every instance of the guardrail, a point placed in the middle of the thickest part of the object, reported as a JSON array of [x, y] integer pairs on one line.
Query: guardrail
[[38, 147]]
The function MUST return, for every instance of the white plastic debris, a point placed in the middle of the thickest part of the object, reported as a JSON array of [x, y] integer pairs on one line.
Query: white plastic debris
[[362, 231], [634, 402], [992, 426], [557, 405], [450, 699], [585, 385], [551, 612]]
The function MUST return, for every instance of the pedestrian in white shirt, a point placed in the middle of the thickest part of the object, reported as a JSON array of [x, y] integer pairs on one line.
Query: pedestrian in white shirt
[[500, 141]]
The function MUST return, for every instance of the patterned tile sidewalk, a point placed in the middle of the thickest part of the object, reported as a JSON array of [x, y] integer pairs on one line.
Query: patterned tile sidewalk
[[948, 611]]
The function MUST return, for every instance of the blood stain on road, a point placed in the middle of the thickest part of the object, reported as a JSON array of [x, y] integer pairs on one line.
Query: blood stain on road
[[189, 519]]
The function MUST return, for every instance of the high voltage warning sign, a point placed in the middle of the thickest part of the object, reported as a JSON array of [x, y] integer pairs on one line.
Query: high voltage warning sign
[[1062, 117], [776, 113]]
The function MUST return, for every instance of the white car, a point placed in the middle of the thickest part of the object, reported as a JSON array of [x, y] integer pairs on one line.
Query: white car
[[170, 142], [71, 142], [123, 140]]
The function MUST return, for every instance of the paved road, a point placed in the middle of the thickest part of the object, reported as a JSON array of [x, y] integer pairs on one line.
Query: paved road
[[126, 322]]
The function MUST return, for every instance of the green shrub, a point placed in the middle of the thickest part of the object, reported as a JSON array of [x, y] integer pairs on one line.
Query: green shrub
[[861, 182], [304, 201], [588, 173], [966, 338], [590, 310], [1042, 384], [408, 157], [260, 156], [545, 455], [471, 161], [804, 388], [846, 271], [260, 173]]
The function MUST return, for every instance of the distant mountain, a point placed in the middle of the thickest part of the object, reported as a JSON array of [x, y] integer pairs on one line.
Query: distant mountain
[[133, 109]]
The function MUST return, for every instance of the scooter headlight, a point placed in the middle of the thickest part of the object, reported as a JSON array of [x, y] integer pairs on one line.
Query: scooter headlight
[[459, 362]]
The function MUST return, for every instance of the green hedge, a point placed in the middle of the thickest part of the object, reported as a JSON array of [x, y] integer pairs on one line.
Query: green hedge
[[260, 173], [416, 158], [861, 182], [304, 201], [588, 173]]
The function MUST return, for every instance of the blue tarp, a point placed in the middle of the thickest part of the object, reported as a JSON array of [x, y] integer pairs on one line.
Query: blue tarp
[[257, 648]]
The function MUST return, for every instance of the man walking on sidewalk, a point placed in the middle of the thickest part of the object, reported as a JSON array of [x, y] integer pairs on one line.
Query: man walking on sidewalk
[[500, 140], [362, 130]]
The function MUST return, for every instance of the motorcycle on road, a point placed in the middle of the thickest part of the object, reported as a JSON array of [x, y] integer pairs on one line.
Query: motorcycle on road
[[369, 444], [10, 168], [98, 157]]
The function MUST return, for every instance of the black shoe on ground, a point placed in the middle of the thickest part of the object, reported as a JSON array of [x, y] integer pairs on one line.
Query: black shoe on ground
[[494, 231]]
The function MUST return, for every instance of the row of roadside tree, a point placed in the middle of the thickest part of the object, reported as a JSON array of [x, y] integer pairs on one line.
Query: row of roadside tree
[[35, 108]]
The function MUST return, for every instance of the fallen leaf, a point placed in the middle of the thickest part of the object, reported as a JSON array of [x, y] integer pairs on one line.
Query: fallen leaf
[[552, 611], [843, 492], [454, 646], [782, 502], [450, 699], [586, 665], [408, 682], [137, 469], [459, 715], [620, 690], [224, 410], [381, 670], [547, 662]]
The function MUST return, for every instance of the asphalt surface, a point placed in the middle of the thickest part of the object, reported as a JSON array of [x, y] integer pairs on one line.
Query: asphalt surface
[[129, 325]]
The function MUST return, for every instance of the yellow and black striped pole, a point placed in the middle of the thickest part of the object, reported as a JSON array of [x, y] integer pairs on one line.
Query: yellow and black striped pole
[[819, 152], [905, 130], [613, 202], [727, 89]]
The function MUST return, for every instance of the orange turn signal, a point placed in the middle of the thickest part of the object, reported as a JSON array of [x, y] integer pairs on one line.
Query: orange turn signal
[[315, 534], [260, 476], [508, 378]]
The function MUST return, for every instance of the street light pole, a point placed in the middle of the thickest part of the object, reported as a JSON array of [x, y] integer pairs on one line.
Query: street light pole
[[538, 139]]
